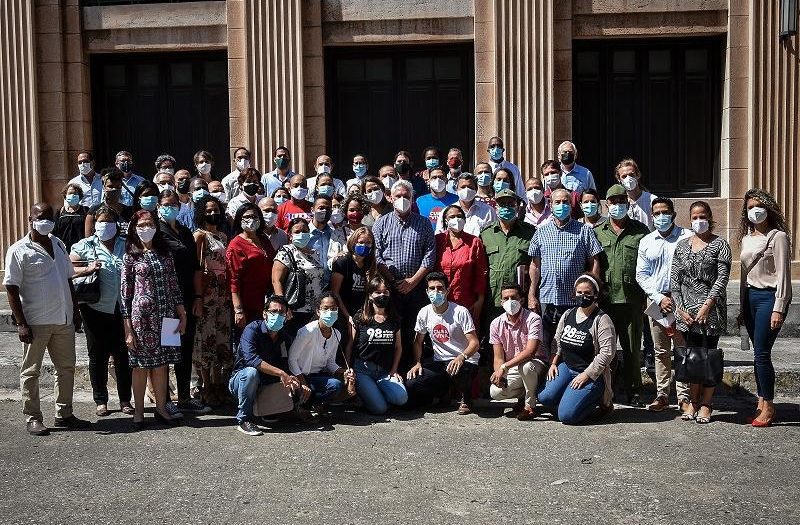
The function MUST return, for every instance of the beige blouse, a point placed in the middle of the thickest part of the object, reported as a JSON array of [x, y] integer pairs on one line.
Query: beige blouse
[[773, 270]]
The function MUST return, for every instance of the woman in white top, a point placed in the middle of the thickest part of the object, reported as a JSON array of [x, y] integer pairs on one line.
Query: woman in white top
[[766, 289]]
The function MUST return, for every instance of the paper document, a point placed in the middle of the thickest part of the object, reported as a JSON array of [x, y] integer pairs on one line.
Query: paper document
[[169, 333], [654, 311]]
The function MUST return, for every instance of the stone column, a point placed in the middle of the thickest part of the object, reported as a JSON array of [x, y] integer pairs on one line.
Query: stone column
[[20, 175]]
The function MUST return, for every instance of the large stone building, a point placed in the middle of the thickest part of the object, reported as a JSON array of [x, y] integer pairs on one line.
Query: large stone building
[[703, 93]]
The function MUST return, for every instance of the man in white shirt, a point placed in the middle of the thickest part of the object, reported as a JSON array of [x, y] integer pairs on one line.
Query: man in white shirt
[[324, 166], [89, 180], [574, 177], [230, 182], [277, 178], [497, 160], [653, 266], [478, 214], [455, 350], [42, 300]]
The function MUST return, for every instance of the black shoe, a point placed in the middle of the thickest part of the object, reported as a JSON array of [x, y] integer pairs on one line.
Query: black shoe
[[635, 401], [137, 425], [248, 428], [71, 422], [37, 428], [173, 422]]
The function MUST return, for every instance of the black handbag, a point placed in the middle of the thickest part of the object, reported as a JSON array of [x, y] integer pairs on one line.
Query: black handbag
[[87, 288], [294, 290], [698, 364]]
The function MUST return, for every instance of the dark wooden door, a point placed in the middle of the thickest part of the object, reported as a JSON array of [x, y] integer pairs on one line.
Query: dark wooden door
[[151, 104], [381, 100], [657, 101]]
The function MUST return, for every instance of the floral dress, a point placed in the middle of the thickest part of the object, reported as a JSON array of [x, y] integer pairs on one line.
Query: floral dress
[[150, 293], [212, 336], [310, 265]]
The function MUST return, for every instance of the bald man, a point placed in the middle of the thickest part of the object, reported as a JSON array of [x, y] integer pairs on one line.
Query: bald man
[[269, 210], [42, 300]]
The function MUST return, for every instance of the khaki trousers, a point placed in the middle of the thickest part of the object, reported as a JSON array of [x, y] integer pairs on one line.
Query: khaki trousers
[[59, 340], [662, 345], [523, 380]]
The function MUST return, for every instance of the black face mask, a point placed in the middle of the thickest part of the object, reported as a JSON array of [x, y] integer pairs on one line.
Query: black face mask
[[214, 219], [381, 301], [402, 168], [183, 186], [586, 300], [125, 166], [112, 195], [250, 188], [567, 157]]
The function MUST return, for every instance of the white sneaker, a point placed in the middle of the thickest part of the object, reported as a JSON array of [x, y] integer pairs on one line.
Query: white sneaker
[[249, 429]]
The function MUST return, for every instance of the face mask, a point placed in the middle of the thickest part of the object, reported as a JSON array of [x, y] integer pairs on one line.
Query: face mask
[[456, 224], [171, 171], [84, 168], [402, 205], [375, 197], [454, 163], [162, 187], [360, 170], [535, 195], [630, 183], [662, 222], [436, 298], [322, 215], [275, 322], [388, 182], [438, 185], [204, 168], [700, 225], [552, 180], [250, 189], [586, 300], [269, 218], [431, 163], [402, 168], [301, 239], [617, 211], [325, 191], [512, 306], [323, 169], [250, 224], [111, 195], [280, 200], [299, 193], [562, 210], [567, 157], [500, 185], [168, 213], [183, 186], [507, 213], [380, 301], [757, 214], [72, 199], [242, 164], [125, 166], [105, 230], [281, 163], [589, 208], [466, 194], [199, 194], [146, 234], [214, 219], [149, 202], [328, 317], [221, 196], [355, 217], [484, 179], [362, 250], [496, 153], [43, 227], [337, 217]]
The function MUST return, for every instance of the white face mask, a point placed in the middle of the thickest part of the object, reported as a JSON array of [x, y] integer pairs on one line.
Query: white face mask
[[630, 182], [466, 194], [375, 196], [269, 218], [221, 196], [105, 230], [242, 164], [552, 180], [43, 227], [84, 168], [757, 214], [535, 195], [162, 187], [388, 182], [204, 168], [299, 193], [250, 224], [438, 185], [171, 171], [700, 226], [336, 216], [456, 224], [146, 234], [323, 169], [511, 306], [402, 204]]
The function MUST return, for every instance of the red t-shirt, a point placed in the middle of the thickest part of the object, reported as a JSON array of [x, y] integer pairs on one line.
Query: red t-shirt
[[289, 210], [249, 270]]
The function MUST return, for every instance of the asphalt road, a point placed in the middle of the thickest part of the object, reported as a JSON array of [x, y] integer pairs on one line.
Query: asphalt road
[[438, 468]]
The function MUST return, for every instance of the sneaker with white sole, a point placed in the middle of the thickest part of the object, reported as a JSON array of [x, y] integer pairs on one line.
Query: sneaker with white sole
[[173, 410], [193, 406], [248, 428]]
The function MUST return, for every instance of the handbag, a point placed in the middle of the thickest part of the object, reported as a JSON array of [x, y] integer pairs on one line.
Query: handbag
[[698, 364], [87, 288], [294, 290]]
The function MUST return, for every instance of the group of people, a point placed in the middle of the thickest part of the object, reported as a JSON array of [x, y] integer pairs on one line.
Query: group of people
[[386, 288]]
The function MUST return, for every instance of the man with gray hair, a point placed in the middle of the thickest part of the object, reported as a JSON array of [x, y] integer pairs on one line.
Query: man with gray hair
[[405, 250], [574, 177], [130, 179]]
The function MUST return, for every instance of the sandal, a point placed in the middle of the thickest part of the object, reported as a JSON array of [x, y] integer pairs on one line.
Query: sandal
[[691, 413], [126, 408], [102, 410], [704, 420]]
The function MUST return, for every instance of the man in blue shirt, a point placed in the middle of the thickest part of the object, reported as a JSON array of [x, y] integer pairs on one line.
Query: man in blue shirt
[[262, 359], [432, 204], [130, 180], [574, 177]]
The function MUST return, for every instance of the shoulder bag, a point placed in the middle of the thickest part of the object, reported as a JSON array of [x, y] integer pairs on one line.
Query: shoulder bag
[[87, 288], [294, 288]]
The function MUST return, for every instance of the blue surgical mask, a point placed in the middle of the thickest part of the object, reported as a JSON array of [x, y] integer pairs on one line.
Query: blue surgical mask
[[280, 200], [496, 153], [168, 213], [436, 298], [431, 163], [360, 170], [328, 317], [506, 213], [617, 211], [148, 203], [72, 199], [500, 185], [301, 239], [662, 222], [589, 208], [561, 210], [325, 190], [484, 179], [275, 321], [362, 250], [199, 194]]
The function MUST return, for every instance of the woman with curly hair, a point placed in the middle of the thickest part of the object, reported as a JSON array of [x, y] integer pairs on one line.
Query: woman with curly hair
[[766, 289]]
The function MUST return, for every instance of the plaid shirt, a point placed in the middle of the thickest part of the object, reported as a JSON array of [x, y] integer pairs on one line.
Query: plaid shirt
[[404, 246], [563, 253]]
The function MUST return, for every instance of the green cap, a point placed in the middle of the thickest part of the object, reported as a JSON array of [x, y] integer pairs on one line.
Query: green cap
[[505, 193], [616, 190]]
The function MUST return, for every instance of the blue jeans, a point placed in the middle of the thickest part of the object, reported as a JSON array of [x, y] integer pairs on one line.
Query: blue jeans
[[375, 388], [756, 319], [244, 385], [573, 405], [323, 387]]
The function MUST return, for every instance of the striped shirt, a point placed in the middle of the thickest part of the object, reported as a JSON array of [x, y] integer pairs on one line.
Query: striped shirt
[[404, 245]]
